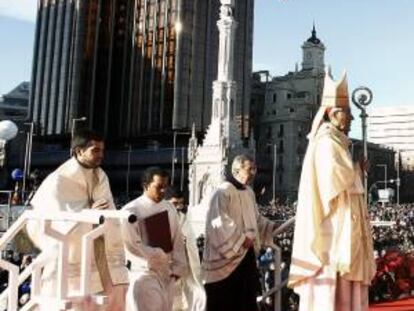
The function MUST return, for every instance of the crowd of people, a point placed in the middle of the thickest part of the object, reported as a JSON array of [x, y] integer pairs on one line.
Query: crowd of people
[[226, 266], [393, 236]]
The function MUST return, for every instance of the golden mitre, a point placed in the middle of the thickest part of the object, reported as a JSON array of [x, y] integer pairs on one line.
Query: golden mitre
[[335, 93]]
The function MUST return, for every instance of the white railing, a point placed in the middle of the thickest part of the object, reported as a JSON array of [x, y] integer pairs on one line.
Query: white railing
[[62, 301], [278, 283], [5, 209]]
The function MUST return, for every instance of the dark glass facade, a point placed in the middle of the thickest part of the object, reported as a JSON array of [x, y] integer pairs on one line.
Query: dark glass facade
[[124, 65]]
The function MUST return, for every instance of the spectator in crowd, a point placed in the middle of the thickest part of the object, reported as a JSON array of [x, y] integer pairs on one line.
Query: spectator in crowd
[[78, 184], [176, 198], [332, 259], [233, 226], [153, 270]]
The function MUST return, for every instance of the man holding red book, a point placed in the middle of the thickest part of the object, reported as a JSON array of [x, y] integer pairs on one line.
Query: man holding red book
[[154, 246]]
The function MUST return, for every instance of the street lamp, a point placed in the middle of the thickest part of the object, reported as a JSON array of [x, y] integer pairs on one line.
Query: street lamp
[[182, 170], [273, 170], [27, 156], [72, 132], [385, 174], [398, 181], [274, 173], [128, 169]]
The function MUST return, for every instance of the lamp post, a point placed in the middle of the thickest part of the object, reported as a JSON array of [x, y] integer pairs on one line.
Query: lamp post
[[174, 159], [385, 174], [182, 170], [274, 168], [27, 156], [274, 173], [73, 129], [362, 97], [398, 181], [128, 170]]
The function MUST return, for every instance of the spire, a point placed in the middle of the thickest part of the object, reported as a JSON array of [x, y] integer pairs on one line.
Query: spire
[[192, 144], [314, 39]]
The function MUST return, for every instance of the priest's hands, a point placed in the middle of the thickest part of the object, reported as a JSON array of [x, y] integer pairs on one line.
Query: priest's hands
[[247, 243], [100, 204], [158, 261]]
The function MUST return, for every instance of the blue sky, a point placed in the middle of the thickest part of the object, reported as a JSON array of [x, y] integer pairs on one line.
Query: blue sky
[[372, 39], [17, 23]]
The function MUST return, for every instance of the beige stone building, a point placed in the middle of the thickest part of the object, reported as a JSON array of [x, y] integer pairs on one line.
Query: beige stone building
[[290, 104]]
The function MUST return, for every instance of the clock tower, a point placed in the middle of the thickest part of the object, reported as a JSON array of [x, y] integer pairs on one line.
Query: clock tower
[[313, 53]]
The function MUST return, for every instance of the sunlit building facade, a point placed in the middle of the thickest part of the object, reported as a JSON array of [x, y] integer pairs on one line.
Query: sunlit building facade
[[393, 127], [289, 105], [133, 68]]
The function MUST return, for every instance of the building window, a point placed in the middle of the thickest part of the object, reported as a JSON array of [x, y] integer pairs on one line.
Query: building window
[[291, 110], [281, 131], [269, 132], [280, 161], [281, 148], [288, 96], [274, 98], [300, 130], [269, 149]]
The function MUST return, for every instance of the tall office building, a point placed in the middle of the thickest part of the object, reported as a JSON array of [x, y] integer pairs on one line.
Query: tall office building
[[133, 68], [392, 126], [14, 105]]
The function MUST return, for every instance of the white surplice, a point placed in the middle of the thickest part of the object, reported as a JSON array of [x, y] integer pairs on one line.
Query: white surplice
[[72, 187], [151, 269], [190, 294], [233, 215]]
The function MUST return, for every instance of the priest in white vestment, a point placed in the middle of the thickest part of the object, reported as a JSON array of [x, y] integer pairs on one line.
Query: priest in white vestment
[[190, 294], [332, 261], [79, 184], [233, 228], [152, 271]]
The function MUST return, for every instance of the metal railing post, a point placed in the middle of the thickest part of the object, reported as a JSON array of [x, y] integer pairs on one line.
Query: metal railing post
[[278, 278]]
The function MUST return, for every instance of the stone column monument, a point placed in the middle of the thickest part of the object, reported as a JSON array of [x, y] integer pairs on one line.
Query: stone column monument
[[211, 160]]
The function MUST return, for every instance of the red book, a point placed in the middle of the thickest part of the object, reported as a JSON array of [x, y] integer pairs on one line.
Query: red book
[[158, 231]]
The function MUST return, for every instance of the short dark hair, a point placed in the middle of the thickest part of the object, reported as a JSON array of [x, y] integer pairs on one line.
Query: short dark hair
[[83, 137], [149, 174], [174, 192]]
